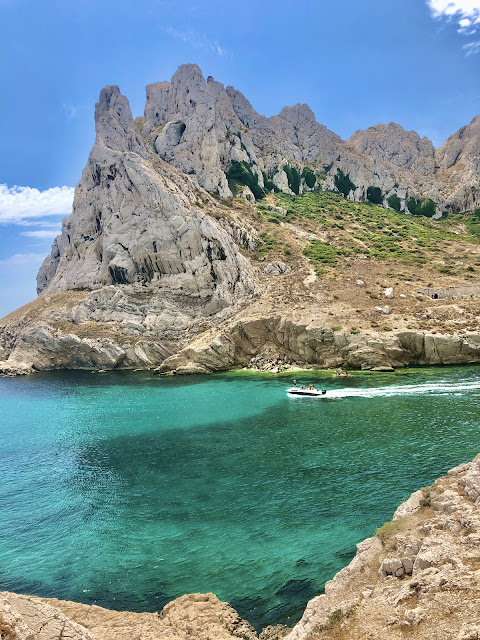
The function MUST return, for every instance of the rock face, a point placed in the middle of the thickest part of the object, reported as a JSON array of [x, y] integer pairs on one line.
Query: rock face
[[391, 143], [299, 345]]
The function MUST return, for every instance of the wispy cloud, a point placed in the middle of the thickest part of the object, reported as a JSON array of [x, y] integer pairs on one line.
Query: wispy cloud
[[71, 111], [42, 233], [20, 204], [466, 14], [23, 258], [197, 40], [471, 47]]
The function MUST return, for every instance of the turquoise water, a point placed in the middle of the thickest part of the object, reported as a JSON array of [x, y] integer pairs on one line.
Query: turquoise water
[[128, 490]]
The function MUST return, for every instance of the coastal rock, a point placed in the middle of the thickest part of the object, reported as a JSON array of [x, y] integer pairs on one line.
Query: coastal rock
[[27, 618], [324, 348], [200, 616], [417, 575]]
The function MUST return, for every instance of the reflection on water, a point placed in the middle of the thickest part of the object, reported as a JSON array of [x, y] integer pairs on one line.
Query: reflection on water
[[129, 490]]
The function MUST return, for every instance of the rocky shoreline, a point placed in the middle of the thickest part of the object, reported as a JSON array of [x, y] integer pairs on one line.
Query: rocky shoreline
[[418, 577], [266, 344]]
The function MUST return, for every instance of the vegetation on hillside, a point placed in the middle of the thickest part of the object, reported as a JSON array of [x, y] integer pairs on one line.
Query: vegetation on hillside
[[347, 228], [343, 183], [421, 207], [293, 177], [241, 174], [394, 202], [309, 177], [374, 195]]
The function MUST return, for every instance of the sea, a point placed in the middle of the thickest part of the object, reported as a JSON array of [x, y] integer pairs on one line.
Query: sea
[[128, 490]]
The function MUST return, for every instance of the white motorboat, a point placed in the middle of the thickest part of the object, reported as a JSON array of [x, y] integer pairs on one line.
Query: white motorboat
[[307, 393]]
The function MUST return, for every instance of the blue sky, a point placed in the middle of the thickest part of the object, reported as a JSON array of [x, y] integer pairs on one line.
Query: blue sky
[[356, 63]]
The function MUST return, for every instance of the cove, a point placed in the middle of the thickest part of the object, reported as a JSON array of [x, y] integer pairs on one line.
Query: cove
[[128, 490]]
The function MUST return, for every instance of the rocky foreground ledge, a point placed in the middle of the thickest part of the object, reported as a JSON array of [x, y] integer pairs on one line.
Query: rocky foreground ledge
[[418, 578]]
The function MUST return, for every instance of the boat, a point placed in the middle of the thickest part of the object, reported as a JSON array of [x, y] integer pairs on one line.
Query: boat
[[307, 393]]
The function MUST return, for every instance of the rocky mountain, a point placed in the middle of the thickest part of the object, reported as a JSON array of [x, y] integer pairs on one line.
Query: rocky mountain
[[202, 128], [158, 262]]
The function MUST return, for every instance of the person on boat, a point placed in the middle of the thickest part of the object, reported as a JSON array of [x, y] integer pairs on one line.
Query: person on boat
[[303, 387], [294, 383], [311, 387]]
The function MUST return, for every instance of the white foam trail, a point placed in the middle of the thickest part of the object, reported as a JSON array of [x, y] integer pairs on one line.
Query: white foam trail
[[434, 388]]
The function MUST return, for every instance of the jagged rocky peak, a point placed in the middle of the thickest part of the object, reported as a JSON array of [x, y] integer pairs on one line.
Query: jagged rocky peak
[[114, 121], [462, 146], [139, 221], [392, 143]]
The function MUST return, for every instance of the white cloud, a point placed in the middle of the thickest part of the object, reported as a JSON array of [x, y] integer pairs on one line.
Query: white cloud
[[471, 47], [23, 258], [197, 40], [460, 9], [466, 13], [18, 204], [42, 233]]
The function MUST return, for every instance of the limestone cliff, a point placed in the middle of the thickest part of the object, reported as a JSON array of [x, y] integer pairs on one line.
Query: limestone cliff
[[158, 262]]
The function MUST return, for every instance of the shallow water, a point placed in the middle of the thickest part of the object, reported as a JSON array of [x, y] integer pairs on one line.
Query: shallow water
[[128, 490]]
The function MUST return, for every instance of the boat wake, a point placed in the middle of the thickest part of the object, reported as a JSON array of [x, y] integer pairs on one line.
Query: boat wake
[[434, 388]]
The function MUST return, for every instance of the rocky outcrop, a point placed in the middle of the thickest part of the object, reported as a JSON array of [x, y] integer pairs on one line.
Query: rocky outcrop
[[159, 258], [301, 345], [391, 143], [201, 616], [417, 577], [26, 618]]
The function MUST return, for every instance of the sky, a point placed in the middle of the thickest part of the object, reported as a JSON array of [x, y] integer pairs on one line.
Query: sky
[[355, 62]]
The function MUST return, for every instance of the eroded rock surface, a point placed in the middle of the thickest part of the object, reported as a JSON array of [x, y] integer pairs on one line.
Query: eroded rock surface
[[201, 616]]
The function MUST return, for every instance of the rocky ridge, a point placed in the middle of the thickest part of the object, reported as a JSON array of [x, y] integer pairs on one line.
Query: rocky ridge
[[419, 577]]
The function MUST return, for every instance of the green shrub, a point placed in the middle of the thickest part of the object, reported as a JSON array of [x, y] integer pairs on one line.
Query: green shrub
[[413, 205], [374, 195], [427, 208], [240, 173], [421, 207], [343, 183], [394, 202], [265, 243], [268, 182], [309, 177], [293, 178], [321, 252], [336, 328]]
